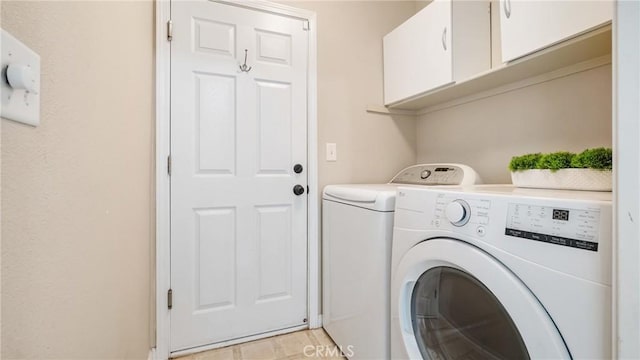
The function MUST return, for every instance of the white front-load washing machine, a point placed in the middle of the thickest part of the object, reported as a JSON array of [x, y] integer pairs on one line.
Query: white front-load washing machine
[[498, 272], [357, 223]]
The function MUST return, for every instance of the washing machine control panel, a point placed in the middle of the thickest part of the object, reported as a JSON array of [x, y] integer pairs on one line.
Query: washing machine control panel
[[460, 212], [436, 174], [578, 228], [573, 226]]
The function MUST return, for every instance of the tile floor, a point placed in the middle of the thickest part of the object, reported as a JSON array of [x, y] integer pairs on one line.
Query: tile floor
[[306, 344]]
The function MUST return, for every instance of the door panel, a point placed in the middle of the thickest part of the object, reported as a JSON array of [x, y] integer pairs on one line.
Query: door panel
[[275, 127], [274, 240], [215, 116], [533, 25], [238, 233], [273, 47], [418, 53], [438, 66], [214, 37], [215, 268]]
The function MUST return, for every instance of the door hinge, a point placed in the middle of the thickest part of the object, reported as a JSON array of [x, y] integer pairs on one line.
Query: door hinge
[[169, 30], [170, 299], [169, 165], [305, 25]]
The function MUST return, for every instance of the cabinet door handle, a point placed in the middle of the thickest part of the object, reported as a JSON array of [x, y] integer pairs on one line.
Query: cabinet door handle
[[506, 4], [444, 39]]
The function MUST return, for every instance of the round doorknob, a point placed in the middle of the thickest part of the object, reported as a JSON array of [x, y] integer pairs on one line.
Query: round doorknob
[[297, 168], [298, 189]]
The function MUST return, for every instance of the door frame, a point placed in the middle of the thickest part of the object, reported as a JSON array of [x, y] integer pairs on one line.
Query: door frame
[[163, 147], [626, 176]]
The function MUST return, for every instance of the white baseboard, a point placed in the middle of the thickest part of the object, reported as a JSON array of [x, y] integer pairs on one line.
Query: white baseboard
[[152, 354]]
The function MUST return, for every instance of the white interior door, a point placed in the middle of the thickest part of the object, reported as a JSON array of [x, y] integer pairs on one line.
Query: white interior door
[[238, 232]]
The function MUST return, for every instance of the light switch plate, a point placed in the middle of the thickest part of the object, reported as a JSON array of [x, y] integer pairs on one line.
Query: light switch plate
[[18, 104], [332, 152]]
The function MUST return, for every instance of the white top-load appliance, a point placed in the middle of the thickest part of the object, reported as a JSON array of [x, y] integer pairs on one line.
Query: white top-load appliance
[[498, 272], [357, 222]]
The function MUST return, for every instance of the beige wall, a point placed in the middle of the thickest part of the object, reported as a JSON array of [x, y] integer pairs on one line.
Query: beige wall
[[371, 147], [77, 198], [570, 113], [77, 223]]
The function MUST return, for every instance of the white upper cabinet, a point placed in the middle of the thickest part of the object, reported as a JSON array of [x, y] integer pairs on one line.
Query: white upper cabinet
[[445, 42], [530, 25]]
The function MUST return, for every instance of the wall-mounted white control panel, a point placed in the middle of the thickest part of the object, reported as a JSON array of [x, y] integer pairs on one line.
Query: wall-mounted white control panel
[[19, 81]]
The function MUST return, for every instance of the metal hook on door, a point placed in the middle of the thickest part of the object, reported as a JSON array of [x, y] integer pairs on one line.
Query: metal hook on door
[[244, 67]]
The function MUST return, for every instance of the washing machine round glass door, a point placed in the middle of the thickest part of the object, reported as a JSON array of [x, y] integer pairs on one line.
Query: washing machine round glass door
[[458, 302]]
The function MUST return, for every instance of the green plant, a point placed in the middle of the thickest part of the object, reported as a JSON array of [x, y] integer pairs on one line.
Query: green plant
[[524, 162], [598, 158], [555, 161]]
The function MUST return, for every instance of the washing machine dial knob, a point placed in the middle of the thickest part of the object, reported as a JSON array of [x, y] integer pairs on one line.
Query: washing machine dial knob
[[458, 212]]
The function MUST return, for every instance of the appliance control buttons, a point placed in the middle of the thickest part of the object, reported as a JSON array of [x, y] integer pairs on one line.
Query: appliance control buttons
[[425, 174], [458, 212], [481, 231]]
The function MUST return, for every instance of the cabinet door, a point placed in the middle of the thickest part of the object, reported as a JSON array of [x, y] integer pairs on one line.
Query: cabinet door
[[530, 25], [417, 54]]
